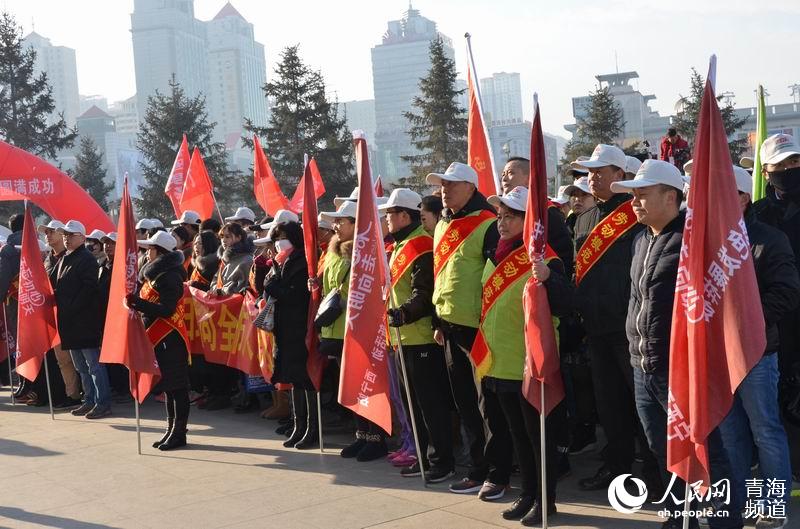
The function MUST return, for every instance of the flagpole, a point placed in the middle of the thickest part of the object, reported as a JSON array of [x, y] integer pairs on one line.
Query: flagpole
[[10, 356], [49, 391], [476, 86], [319, 421], [543, 457], [685, 506], [138, 429]]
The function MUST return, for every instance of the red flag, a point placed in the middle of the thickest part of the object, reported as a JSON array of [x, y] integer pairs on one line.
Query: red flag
[[265, 186], [479, 154], [36, 321], [316, 362], [378, 187], [198, 191], [364, 380], [124, 339], [174, 188], [296, 203], [717, 331], [542, 365]]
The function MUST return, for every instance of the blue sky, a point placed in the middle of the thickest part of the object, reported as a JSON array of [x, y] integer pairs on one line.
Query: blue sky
[[558, 47]]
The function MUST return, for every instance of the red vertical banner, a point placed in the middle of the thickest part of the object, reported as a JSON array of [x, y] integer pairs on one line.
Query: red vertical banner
[[177, 177], [198, 191], [718, 333], [479, 152], [364, 378], [36, 317], [124, 340], [265, 186], [315, 363]]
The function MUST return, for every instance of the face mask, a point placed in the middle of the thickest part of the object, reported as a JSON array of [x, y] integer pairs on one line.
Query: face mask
[[787, 181], [283, 245]]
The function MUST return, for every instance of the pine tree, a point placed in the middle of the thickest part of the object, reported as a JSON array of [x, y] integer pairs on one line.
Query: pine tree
[[687, 119], [166, 119], [603, 124], [303, 121], [90, 174], [439, 127]]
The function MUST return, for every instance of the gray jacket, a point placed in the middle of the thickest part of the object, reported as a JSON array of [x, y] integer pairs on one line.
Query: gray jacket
[[235, 268]]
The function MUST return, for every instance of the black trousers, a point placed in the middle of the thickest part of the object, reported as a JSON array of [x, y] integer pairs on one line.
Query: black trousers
[[39, 386], [523, 424], [430, 395], [499, 443], [457, 344], [177, 404]]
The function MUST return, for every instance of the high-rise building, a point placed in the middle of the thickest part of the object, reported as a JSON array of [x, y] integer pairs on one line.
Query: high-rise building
[[360, 115], [58, 62], [237, 72], [501, 95], [168, 41], [126, 115], [398, 63], [95, 100]]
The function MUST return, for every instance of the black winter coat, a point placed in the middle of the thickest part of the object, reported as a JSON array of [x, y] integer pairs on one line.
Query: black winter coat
[[654, 271], [560, 239], [79, 322], [288, 284], [603, 295], [166, 275], [9, 263], [104, 287]]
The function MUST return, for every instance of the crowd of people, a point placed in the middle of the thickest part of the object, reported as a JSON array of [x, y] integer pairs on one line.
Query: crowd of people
[[458, 267]]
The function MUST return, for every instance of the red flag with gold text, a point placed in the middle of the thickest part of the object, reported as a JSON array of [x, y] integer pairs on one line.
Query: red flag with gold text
[[479, 154]]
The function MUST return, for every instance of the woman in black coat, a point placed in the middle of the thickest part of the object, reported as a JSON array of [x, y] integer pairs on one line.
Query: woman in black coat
[[158, 299], [287, 284]]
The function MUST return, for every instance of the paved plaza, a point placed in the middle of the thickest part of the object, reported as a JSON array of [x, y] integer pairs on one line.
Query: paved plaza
[[75, 473]]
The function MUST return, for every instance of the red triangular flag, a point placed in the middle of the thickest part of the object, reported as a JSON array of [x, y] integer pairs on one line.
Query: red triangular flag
[[717, 330], [265, 186], [177, 177], [37, 331], [124, 339], [378, 187], [542, 365], [364, 379], [479, 154], [198, 191], [316, 362], [296, 203]]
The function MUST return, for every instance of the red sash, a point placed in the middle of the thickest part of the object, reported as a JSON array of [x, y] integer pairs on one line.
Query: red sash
[[198, 277], [412, 249], [159, 329], [457, 232], [602, 236]]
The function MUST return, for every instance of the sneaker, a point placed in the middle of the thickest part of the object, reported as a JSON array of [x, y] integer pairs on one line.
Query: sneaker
[[67, 403], [404, 461], [83, 409], [491, 491], [770, 522], [438, 474], [411, 471], [466, 486], [99, 412]]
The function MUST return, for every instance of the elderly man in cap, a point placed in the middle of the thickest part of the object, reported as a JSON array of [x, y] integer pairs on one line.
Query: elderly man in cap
[[243, 216], [79, 324], [465, 237], [780, 164], [604, 237], [189, 220]]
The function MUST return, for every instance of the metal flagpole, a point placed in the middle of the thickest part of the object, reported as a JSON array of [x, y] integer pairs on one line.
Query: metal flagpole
[[49, 391], [543, 459], [138, 429], [319, 421], [686, 506], [420, 455], [10, 356]]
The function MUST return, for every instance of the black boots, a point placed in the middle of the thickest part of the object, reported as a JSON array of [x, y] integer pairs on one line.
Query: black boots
[[299, 417], [178, 407], [375, 448], [355, 447], [177, 436], [170, 422], [311, 436]]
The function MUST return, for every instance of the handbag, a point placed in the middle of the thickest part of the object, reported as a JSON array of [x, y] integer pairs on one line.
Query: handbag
[[331, 306], [266, 318]]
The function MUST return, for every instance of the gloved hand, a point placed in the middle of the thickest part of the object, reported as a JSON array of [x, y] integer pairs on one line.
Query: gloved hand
[[131, 299], [396, 317]]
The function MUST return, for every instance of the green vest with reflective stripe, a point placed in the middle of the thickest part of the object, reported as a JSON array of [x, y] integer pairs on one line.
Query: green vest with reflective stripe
[[457, 288], [332, 275], [419, 332]]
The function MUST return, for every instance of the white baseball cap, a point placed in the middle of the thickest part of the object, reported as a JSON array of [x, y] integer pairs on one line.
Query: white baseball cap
[[144, 224], [402, 197], [96, 235], [282, 216], [575, 166], [73, 226], [262, 241], [562, 197], [242, 213], [188, 217], [603, 155], [457, 172], [338, 201], [747, 162], [687, 168], [160, 238], [156, 223], [744, 180], [324, 224], [111, 236], [52, 225], [347, 209], [516, 199], [581, 184], [652, 172], [632, 166], [4, 231], [777, 148]]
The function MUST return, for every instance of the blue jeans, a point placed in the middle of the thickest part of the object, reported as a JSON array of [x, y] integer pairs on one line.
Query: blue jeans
[[755, 419], [94, 378]]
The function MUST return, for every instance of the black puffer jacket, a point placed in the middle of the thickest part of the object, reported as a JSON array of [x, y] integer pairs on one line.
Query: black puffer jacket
[[166, 275], [9, 263], [603, 295], [654, 271], [560, 239], [77, 300]]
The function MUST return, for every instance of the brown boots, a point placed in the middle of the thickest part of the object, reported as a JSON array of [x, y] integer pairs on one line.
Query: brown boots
[[280, 406]]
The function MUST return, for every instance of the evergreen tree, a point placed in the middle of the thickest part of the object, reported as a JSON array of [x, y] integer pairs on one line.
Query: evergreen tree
[[303, 121], [90, 174], [687, 119], [438, 129], [166, 119], [26, 100], [603, 124]]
